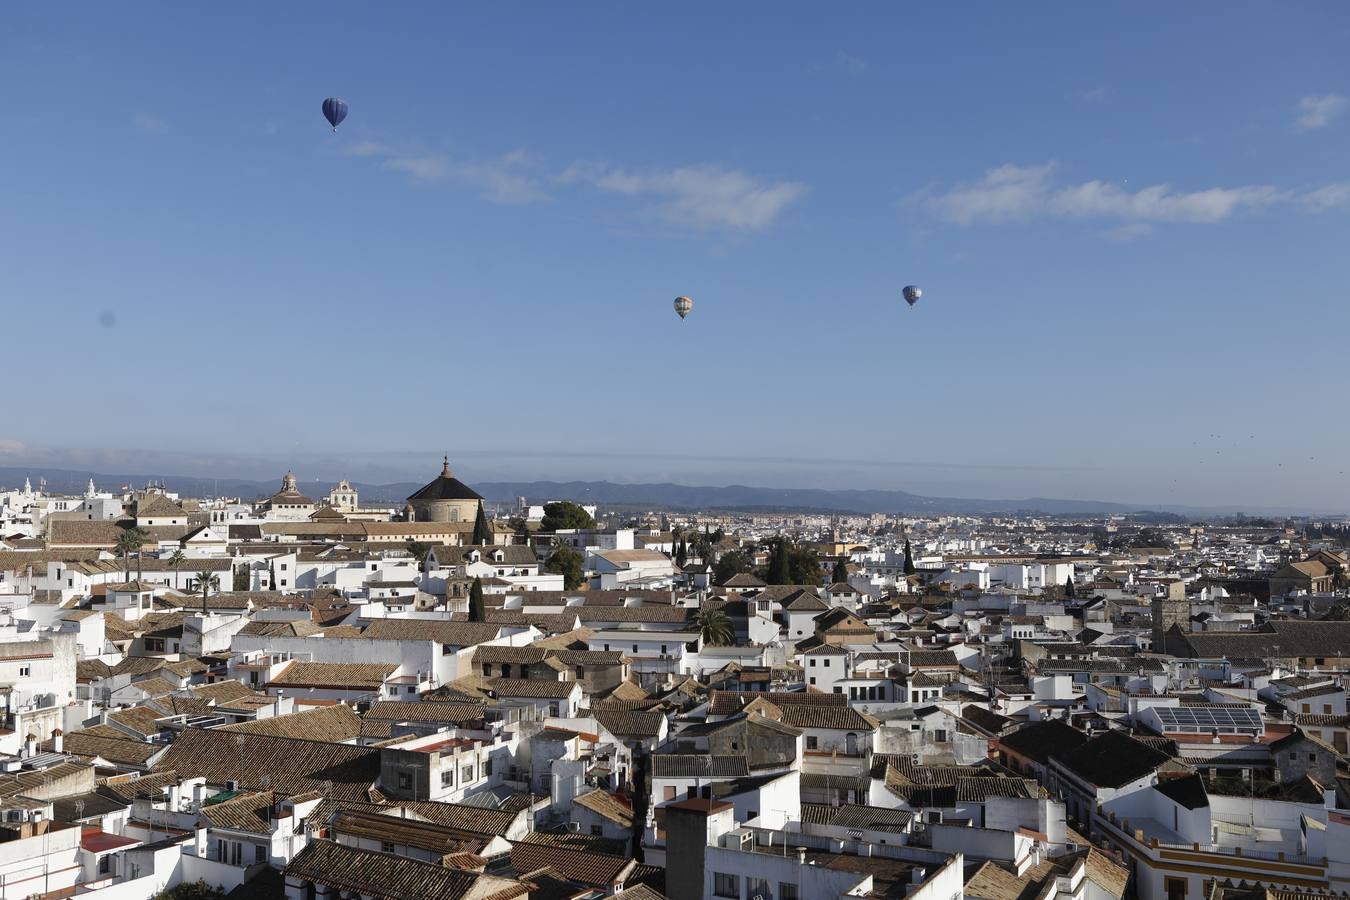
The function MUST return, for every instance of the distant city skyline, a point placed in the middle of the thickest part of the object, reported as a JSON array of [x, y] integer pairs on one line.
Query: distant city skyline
[[1132, 253], [923, 477]]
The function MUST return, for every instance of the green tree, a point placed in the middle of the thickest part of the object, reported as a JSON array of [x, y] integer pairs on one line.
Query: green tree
[[241, 578], [565, 514], [418, 549], [780, 571], [128, 542], [176, 559], [1068, 587], [477, 613], [206, 583], [194, 890], [714, 626], [482, 534], [271, 576], [840, 573], [731, 563], [803, 566], [568, 563], [910, 568], [1339, 612], [681, 554]]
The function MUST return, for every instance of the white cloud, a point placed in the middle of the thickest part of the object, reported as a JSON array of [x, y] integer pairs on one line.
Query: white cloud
[[149, 124], [1017, 193], [508, 178], [850, 64], [1318, 112], [1130, 231], [698, 196], [1092, 95], [1329, 196], [421, 168], [1004, 194]]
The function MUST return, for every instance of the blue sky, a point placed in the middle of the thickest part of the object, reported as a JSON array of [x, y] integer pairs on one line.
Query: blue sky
[[1130, 224]]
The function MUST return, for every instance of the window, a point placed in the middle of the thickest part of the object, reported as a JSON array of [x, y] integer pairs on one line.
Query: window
[[487, 767], [728, 885], [787, 891], [757, 889], [283, 567], [812, 679], [387, 846], [597, 831], [826, 663], [940, 735], [813, 662], [105, 864], [25, 671], [466, 774], [1175, 888], [404, 781], [811, 742], [259, 853], [1312, 757], [447, 777]]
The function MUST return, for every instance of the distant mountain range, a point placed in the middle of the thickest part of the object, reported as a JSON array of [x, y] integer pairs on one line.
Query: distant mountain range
[[605, 493]]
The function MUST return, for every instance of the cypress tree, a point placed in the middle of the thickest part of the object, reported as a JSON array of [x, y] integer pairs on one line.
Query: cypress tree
[[482, 534], [1068, 587], [682, 554], [909, 559], [476, 613], [780, 571], [840, 573]]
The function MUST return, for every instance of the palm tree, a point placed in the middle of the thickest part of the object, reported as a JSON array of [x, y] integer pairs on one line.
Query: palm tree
[[176, 559], [714, 626], [128, 542], [207, 582]]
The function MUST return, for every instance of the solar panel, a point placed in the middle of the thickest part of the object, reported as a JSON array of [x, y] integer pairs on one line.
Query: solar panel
[[1204, 718]]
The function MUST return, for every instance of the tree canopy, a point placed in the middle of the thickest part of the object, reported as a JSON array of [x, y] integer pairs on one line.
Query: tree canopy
[[714, 626], [568, 563], [482, 533], [565, 514], [477, 612], [732, 563]]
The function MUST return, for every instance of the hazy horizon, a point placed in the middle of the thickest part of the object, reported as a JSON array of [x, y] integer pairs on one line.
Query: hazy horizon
[[928, 478]]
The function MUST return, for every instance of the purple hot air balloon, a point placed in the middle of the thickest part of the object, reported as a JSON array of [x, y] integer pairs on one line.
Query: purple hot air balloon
[[335, 110]]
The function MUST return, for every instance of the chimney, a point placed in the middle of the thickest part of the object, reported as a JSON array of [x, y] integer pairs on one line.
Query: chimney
[[30, 744], [58, 741], [199, 842]]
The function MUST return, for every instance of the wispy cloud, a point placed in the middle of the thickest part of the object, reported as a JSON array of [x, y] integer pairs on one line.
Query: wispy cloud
[[509, 178], [149, 124], [1329, 196], [1011, 193], [1092, 95], [850, 64], [705, 196], [1130, 231], [1311, 113]]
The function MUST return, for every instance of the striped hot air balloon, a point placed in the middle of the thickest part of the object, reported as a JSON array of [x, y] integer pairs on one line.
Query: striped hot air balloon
[[335, 110], [683, 305]]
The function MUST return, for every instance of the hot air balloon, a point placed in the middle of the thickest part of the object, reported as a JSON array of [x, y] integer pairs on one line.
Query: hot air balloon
[[912, 293], [335, 110], [683, 305]]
